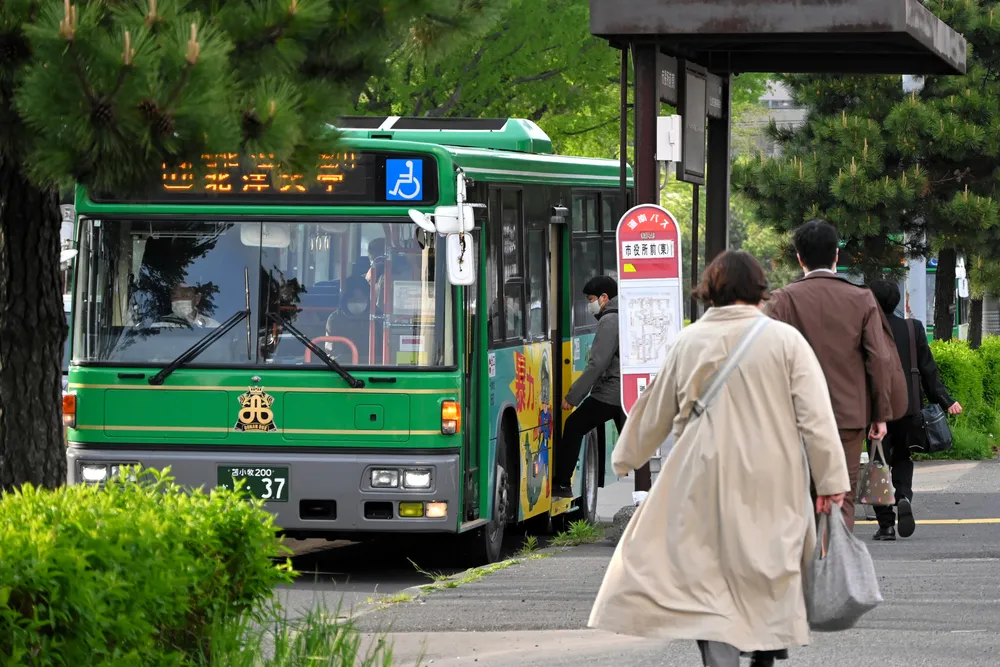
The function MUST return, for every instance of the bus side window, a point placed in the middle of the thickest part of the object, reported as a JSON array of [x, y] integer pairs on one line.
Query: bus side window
[[538, 273], [512, 263], [586, 256], [611, 213], [494, 326]]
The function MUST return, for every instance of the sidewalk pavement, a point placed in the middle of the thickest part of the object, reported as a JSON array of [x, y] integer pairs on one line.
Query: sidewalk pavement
[[941, 592]]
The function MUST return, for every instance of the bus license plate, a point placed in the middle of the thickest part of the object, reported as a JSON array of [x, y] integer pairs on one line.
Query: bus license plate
[[270, 484]]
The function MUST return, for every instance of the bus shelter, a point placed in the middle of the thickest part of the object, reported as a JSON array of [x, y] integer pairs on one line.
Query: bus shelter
[[671, 39], [684, 53]]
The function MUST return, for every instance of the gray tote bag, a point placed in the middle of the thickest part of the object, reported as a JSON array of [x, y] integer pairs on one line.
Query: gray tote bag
[[840, 585]]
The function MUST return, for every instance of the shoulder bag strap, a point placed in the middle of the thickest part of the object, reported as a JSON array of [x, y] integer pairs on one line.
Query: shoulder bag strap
[[721, 375], [914, 369]]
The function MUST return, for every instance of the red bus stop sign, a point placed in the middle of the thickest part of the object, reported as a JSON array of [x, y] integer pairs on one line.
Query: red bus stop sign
[[649, 295]]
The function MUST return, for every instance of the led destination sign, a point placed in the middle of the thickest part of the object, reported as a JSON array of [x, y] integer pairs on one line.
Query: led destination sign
[[341, 178]]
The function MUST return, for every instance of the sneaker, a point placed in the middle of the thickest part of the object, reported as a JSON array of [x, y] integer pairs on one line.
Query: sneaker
[[885, 535], [904, 514], [562, 491]]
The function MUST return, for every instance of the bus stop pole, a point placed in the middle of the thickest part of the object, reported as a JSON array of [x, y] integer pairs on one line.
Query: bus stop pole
[[647, 106]]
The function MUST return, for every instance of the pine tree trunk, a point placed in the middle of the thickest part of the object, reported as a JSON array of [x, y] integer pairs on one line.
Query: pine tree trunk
[[975, 323], [944, 294], [32, 333]]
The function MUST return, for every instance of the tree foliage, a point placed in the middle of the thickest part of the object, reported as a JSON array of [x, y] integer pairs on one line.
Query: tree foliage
[[538, 61], [103, 94], [881, 164], [106, 92]]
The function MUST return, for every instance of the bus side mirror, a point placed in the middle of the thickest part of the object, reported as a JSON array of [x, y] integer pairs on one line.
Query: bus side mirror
[[461, 259]]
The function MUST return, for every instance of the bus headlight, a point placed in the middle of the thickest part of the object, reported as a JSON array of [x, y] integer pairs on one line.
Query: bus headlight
[[417, 479], [93, 473], [385, 479]]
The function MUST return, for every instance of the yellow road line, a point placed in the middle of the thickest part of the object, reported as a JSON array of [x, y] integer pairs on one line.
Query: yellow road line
[[940, 522]]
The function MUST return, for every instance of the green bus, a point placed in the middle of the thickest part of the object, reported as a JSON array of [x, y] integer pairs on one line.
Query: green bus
[[961, 304], [327, 340]]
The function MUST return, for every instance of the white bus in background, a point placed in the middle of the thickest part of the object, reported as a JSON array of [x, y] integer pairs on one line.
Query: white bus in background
[[67, 253]]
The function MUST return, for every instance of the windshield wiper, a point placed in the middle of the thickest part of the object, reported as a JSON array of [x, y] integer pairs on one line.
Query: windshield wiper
[[199, 347], [354, 382]]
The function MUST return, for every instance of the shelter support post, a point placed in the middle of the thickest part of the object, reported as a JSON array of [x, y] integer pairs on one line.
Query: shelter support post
[[695, 223], [717, 177], [647, 190]]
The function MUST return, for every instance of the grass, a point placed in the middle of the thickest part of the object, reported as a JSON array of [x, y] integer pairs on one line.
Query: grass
[[580, 532], [385, 601], [968, 444], [313, 641], [469, 577], [529, 547], [433, 576]]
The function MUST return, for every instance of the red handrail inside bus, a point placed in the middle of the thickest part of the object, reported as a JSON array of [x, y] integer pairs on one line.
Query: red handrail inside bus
[[334, 339]]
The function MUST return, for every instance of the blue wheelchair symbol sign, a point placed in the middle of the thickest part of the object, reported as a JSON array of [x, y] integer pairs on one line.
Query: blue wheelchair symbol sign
[[403, 179]]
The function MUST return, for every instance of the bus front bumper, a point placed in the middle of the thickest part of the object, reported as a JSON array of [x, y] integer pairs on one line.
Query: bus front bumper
[[323, 492]]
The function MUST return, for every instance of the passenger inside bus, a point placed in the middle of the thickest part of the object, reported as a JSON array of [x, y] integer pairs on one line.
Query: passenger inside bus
[[351, 321], [401, 269]]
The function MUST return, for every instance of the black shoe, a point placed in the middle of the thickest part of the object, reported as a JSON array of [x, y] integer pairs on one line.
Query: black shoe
[[885, 535], [904, 518], [762, 662], [562, 491]]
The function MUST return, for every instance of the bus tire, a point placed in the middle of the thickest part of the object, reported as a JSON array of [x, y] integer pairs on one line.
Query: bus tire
[[591, 482], [485, 544]]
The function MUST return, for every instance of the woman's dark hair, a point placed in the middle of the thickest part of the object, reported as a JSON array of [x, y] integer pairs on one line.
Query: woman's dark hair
[[887, 294], [816, 242], [733, 276]]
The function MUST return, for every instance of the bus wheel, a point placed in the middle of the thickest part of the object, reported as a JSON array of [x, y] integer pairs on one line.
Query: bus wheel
[[591, 469], [485, 544]]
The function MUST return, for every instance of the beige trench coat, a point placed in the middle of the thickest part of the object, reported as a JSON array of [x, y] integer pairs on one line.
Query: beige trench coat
[[717, 550]]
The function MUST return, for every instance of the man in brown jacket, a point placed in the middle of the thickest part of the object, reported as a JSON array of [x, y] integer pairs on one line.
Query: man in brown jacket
[[844, 325]]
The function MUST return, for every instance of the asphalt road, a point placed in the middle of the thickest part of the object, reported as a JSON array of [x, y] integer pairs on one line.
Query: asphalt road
[[346, 576], [942, 592]]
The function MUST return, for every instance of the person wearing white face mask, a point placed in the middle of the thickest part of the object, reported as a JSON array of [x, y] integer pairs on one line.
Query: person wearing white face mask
[[184, 302], [601, 379]]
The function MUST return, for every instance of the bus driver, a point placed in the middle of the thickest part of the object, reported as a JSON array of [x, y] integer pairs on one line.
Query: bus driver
[[184, 302]]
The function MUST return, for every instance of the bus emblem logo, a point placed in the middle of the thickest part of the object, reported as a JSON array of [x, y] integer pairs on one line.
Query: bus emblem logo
[[255, 411]]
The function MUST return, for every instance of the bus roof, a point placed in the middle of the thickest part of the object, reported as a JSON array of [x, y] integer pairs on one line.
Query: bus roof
[[500, 150], [494, 149]]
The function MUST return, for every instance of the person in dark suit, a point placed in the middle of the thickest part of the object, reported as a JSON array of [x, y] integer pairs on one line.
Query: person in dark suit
[[847, 331], [897, 444]]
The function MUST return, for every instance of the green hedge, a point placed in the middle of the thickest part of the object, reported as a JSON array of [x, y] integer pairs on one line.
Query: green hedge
[[973, 379], [136, 573]]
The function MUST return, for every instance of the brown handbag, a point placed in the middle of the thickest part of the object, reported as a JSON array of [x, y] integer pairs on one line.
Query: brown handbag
[[875, 481]]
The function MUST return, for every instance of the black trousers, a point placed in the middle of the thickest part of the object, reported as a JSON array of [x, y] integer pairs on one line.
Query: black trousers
[[897, 450], [589, 415]]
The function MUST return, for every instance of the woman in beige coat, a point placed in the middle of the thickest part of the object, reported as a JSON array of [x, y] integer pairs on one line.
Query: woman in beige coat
[[717, 551]]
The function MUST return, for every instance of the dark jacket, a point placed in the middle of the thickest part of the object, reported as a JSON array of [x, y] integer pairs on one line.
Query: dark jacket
[[846, 329], [930, 385], [602, 376]]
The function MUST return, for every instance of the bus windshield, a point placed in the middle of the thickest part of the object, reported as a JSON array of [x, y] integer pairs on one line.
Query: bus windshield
[[367, 293]]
